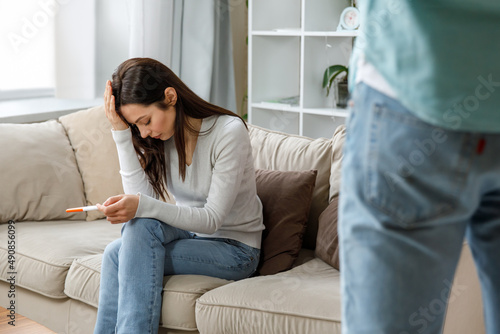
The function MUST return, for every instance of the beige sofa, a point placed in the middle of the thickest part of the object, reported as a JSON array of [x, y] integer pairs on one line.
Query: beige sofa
[[47, 167]]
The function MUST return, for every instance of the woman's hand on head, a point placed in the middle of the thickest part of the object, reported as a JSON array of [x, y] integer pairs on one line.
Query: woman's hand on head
[[109, 107], [120, 208]]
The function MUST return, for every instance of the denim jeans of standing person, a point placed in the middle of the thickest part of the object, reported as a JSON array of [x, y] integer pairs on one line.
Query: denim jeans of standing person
[[410, 193], [134, 265]]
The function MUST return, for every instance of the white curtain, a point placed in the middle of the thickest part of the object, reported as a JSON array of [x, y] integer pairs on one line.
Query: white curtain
[[151, 23], [193, 38]]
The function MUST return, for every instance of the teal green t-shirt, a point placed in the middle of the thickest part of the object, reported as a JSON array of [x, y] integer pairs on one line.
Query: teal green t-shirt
[[441, 58]]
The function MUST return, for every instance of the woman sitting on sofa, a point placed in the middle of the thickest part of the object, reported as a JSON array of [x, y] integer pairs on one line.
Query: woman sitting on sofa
[[167, 136]]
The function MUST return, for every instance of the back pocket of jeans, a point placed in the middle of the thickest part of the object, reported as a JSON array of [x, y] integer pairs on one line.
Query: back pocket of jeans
[[414, 170]]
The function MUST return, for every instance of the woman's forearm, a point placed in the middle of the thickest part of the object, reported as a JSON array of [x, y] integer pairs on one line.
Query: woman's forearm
[[134, 179]]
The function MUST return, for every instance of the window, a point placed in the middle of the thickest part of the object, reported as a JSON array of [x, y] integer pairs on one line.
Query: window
[[27, 48]]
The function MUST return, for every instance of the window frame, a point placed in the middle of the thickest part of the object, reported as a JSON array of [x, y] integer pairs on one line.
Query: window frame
[[22, 94]]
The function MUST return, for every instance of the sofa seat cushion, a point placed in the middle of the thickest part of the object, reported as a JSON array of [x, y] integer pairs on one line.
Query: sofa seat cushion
[[305, 299], [83, 279], [45, 251], [180, 293]]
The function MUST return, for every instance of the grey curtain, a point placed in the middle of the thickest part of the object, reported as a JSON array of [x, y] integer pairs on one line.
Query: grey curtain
[[193, 38]]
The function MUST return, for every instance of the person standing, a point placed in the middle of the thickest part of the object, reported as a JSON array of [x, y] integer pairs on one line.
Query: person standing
[[420, 168]]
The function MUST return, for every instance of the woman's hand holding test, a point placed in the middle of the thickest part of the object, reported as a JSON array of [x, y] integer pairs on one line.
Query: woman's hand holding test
[[120, 208]]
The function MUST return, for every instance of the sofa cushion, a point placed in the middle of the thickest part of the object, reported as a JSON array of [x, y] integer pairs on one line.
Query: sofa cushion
[[39, 177], [180, 292], [286, 199], [90, 134], [279, 151], [327, 243], [83, 279], [46, 250], [337, 146], [305, 299]]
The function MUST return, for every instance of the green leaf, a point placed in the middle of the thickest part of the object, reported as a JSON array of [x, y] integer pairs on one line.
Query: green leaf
[[330, 74], [333, 70]]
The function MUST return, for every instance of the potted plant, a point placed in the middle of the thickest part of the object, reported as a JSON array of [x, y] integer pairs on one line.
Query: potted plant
[[341, 91]]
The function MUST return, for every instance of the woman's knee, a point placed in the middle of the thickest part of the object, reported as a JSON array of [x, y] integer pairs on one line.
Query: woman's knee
[[146, 230], [140, 226], [111, 251]]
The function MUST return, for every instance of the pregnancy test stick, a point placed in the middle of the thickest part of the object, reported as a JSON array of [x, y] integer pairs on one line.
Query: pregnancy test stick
[[83, 208]]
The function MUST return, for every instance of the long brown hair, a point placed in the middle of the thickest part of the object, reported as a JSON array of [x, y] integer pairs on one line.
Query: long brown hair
[[143, 81]]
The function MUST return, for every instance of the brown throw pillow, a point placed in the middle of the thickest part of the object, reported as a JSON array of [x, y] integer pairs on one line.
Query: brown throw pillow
[[327, 242], [286, 198]]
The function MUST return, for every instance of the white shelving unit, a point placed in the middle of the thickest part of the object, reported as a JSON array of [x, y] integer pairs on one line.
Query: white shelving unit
[[290, 44]]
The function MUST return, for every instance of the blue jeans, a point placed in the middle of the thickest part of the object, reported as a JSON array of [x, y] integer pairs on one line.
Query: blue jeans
[[410, 193], [134, 265]]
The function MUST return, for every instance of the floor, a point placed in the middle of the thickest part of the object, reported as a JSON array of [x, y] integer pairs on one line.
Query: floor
[[22, 325]]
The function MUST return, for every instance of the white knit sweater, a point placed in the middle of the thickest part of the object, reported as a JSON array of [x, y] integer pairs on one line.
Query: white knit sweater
[[218, 197]]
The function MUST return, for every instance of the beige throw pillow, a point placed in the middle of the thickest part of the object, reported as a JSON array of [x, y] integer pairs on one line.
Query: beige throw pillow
[[38, 173], [90, 134]]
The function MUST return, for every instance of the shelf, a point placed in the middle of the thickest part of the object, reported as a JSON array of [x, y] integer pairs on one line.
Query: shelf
[[322, 15], [336, 112], [298, 32], [277, 120], [290, 44], [342, 33], [277, 64], [272, 14], [276, 106], [316, 59], [277, 32]]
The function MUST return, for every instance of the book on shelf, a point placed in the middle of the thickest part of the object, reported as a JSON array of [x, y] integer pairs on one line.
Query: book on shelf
[[292, 101]]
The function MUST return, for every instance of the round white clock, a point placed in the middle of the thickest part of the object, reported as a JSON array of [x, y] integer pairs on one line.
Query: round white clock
[[349, 19]]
